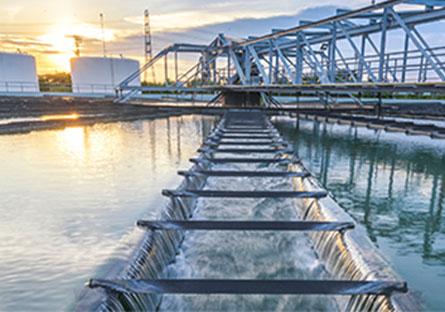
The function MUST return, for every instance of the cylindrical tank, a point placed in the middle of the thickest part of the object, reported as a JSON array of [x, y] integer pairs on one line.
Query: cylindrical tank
[[101, 74], [18, 73]]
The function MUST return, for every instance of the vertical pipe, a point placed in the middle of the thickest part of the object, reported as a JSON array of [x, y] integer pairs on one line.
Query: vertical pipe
[[386, 67], [405, 58], [214, 71], [396, 69], [176, 68], [169, 139], [383, 45], [270, 62], [277, 66], [332, 48], [228, 66], [362, 60], [299, 61], [166, 69], [419, 76], [247, 65], [381, 76]]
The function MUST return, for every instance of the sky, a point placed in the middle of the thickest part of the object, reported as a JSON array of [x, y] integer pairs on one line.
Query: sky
[[45, 28]]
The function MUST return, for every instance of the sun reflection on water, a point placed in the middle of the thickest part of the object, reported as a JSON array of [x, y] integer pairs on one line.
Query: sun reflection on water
[[70, 196], [72, 116], [72, 141]]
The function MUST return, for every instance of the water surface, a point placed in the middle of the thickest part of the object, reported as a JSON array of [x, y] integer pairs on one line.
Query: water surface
[[69, 200], [392, 183]]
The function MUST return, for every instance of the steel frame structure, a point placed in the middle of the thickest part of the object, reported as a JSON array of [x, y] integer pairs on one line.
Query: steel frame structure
[[348, 49]]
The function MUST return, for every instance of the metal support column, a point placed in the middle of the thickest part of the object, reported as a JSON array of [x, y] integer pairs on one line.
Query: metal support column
[[247, 65], [361, 61], [298, 61], [384, 22], [331, 54], [176, 68], [405, 58], [166, 69]]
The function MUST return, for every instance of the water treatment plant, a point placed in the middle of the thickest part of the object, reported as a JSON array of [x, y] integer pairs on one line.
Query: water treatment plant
[[297, 169]]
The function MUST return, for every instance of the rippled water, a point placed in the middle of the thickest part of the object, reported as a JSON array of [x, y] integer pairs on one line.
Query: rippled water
[[392, 183], [247, 254], [69, 200]]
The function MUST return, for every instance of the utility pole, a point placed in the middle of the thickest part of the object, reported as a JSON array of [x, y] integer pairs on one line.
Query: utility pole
[[148, 44], [103, 34]]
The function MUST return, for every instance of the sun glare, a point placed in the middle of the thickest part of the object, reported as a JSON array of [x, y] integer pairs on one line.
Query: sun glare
[[73, 116], [72, 141], [61, 43]]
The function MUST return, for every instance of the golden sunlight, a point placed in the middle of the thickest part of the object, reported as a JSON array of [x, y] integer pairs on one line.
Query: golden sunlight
[[60, 117], [61, 42], [72, 141]]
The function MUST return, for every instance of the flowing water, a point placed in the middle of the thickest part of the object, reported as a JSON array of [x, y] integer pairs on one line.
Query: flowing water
[[391, 183], [247, 254], [69, 200]]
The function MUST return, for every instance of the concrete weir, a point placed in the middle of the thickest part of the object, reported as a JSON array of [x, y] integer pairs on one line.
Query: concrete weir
[[358, 278]]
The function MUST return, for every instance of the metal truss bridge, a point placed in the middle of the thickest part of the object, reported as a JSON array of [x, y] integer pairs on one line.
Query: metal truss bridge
[[375, 49]]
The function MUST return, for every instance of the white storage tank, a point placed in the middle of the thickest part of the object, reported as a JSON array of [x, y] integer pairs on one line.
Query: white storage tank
[[18, 73], [100, 74]]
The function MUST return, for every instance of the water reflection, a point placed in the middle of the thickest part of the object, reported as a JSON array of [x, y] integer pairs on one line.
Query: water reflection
[[74, 141], [69, 199], [393, 184]]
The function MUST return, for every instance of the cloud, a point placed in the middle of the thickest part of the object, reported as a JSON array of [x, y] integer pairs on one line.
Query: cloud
[[224, 12], [12, 11], [191, 19], [239, 28]]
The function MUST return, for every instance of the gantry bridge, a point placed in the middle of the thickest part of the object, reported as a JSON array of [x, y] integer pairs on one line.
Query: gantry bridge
[[375, 49]]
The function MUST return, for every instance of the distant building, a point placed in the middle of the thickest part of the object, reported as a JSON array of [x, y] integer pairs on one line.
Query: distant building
[[18, 73], [101, 75]]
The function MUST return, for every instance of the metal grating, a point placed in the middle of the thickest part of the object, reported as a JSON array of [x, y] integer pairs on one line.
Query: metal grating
[[244, 194], [245, 174], [211, 225], [257, 287]]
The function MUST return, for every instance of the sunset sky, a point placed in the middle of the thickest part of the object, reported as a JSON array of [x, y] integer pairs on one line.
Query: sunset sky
[[44, 28]]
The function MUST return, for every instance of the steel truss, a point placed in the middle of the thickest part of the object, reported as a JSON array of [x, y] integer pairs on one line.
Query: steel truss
[[353, 48]]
